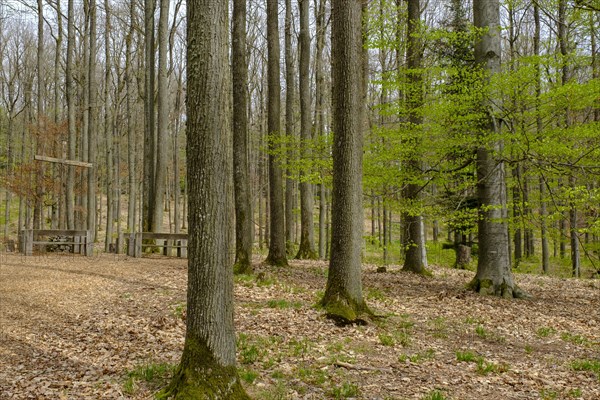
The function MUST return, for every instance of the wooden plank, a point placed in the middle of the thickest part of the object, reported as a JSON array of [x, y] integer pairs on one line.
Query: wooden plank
[[171, 246], [63, 161], [167, 236], [59, 232]]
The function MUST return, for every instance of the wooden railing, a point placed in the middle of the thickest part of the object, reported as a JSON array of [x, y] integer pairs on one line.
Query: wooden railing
[[81, 240], [139, 240]]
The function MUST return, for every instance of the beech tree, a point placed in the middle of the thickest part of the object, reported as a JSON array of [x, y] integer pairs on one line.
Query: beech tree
[[207, 369], [493, 276], [414, 260], [343, 298]]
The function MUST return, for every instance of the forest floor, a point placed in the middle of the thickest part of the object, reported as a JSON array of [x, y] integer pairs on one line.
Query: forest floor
[[112, 327]]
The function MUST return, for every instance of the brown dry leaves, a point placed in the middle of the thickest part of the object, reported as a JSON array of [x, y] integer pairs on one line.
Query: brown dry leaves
[[73, 327]]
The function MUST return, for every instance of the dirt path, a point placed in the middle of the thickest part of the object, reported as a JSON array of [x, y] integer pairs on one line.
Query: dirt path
[[75, 328]]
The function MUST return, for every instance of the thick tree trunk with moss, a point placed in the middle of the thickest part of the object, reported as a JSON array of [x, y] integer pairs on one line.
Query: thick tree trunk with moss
[[307, 235], [493, 276], [343, 299], [208, 365], [277, 253], [243, 214]]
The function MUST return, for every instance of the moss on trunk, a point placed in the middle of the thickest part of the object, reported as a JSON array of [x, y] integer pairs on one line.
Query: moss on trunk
[[341, 308], [305, 253], [243, 266], [503, 289], [200, 377]]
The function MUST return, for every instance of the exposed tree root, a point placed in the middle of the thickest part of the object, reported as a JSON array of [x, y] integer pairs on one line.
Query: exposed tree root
[[488, 287]]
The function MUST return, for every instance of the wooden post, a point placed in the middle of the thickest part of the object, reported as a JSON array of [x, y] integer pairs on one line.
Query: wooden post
[[28, 236], [131, 245], [138, 244], [120, 243], [89, 244], [184, 248]]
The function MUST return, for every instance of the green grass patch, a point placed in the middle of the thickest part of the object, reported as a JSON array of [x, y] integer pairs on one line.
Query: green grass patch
[[481, 332], [587, 365], [244, 280], [254, 348], [248, 375], [473, 320], [179, 310], [418, 357], [575, 339], [376, 294], [466, 356], [386, 340], [155, 375], [485, 367], [283, 304], [440, 327], [545, 331], [344, 391], [435, 395], [313, 376], [548, 394]]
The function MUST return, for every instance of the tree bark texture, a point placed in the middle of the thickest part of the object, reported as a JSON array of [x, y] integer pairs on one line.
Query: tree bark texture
[[493, 276], [160, 173], [343, 297], [93, 122], [207, 369], [413, 245], [290, 125], [320, 115], [131, 137], [243, 213], [72, 137], [307, 235], [277, 253], [149, 128]]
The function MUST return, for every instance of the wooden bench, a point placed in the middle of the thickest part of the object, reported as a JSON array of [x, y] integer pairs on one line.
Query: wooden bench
[[169, 241], [81, 240]]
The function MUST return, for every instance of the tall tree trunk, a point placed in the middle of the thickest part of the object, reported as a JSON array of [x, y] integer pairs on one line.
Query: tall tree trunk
[[343, 297], [207, 369], [160, 174], [290, 126], [176, 178], [131, 136], [60, 223], [72, 138], [307, 235], [538, 117], [565, 77], [38, 206], [149, 128], [108, 132], [493, 276], [93, 123], [277, 253], [243, 211], [414, 248], [320, 116]]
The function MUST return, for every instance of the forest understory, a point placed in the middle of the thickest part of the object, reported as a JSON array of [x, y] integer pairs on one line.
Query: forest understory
[[112, 327]]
